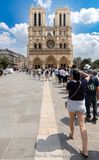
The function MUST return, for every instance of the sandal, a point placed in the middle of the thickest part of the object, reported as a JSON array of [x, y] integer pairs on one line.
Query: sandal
[[84, 155], [70, 136]]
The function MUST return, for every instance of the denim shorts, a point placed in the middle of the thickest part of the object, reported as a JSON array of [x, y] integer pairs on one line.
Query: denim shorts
[[76, 106]]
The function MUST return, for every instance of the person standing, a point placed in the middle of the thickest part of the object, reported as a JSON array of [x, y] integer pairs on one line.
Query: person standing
[[46, 74], [76, 105], [64, 77], [56, 72], [39, 73], [33, 72], [92, 87]]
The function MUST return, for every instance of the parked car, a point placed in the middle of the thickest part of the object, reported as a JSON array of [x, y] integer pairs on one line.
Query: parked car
[[5, 72], [9, 70], [1, 71]]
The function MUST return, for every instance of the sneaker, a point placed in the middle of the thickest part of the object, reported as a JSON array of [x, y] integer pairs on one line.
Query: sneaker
[[88, 119], [95, 118]]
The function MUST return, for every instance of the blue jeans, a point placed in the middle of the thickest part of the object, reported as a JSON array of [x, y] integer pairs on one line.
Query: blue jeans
[[91, 99]]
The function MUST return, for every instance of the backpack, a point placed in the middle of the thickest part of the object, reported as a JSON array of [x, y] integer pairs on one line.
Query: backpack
[[91, 86], [46, 71]]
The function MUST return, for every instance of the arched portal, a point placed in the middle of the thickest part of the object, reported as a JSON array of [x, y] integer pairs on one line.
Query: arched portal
[[37, 63], [50, 62], [63, 62]]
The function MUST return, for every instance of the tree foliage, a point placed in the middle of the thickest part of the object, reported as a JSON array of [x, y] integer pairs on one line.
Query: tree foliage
[[96, 63], [4, 62], [80, 63]]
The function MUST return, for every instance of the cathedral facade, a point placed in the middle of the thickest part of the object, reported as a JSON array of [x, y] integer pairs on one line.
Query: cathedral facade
[[49, 46]]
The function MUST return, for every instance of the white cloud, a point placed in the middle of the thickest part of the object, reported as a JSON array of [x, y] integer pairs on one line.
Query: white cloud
[[44, 3], [95, 33], [4, 26], [20, 32], [86, 45], [6, 40], [86, 16], [15, 38], [51, 19]]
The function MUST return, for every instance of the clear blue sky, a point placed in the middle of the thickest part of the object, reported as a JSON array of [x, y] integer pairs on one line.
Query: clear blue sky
[[85, 19], [16, 11]]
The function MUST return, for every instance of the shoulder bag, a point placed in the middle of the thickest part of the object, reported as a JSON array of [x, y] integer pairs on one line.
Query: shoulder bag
[[74, 93]]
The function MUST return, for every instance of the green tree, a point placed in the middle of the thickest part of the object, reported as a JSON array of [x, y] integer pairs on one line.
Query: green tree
[[1, 66], [86, 61], [96, 63], [4, 62]]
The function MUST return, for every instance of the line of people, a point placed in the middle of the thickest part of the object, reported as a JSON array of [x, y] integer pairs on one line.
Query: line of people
[[90, 87], [83, 89], [61, 74], [47, 72]]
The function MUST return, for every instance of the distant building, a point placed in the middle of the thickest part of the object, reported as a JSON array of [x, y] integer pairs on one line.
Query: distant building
[[14, 59], [49, 46]]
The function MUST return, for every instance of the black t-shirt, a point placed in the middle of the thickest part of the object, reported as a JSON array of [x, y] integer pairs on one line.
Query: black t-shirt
[[72, 87], [90, 86]]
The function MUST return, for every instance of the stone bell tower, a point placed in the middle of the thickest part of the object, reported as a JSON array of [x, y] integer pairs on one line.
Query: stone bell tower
[[49, 46]]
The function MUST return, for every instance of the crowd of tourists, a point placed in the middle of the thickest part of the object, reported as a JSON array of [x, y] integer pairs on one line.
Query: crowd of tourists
[[83, 94], [41, 73]]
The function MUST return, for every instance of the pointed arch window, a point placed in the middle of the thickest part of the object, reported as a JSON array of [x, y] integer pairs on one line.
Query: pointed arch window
[[60, 19], [65, 45], [35, 45], [39, 45], [64, 19], [60, 45], [39, 19], [35, 19]]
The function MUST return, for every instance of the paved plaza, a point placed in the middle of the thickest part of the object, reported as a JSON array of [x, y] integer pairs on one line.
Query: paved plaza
[[34, 121]]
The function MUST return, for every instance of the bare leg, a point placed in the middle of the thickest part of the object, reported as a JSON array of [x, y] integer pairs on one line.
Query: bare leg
[[81, 119], [45, 78], [71, 123]]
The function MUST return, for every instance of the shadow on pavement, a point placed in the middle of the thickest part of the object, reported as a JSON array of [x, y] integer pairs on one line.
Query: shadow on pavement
[[62, 92], [65, 97], [58, 86], [65, 120], [93, 155], [56, 142], [59, 142]]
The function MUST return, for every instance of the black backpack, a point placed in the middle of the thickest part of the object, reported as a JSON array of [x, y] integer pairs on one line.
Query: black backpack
[[47, 71], [91, 86]]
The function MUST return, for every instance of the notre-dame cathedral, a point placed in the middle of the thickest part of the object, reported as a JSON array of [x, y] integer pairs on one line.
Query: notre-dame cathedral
[[49, 46]]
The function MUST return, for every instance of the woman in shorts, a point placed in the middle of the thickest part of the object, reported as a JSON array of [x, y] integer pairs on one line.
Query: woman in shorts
[[76, 105]]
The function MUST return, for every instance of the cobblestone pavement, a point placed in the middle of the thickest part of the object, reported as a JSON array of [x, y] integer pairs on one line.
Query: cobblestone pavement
[[34, 122]]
